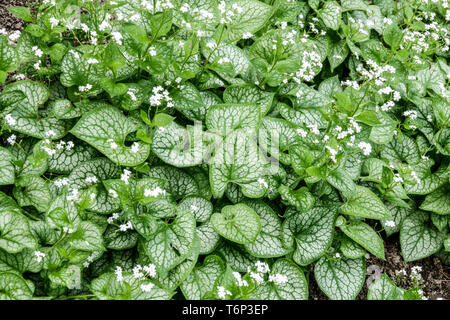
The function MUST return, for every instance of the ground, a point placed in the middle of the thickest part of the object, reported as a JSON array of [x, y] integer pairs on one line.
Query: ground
[[436, 275]]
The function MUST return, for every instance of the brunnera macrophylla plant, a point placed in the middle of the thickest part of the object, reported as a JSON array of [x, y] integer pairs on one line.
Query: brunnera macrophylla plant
[[216, 149]]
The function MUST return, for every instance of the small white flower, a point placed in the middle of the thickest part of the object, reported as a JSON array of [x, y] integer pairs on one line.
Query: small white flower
[[61, 182], [222, 292], [390, 223], [112, 144], [154, 192], [39, 255], [117, 37], [135, 147], [365, 147], [147, 287], [302, 133], [126, 226], [54, 22], [92, 61], [152, 51], [113, 193], [278, 278], [240, 282], [125, 176], [10, 120], [263, 182], [247, 35], [262, 267], [69, 145], [50, 133], [150, 270], [91, 179], [12, 139], [118, 273]]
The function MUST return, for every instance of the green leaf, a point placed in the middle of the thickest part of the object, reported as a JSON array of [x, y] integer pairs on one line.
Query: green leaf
[[237, 159], [87, 237], [15, 232], [202, 278], [384, 289], [9, 59], [20, 262], [341, 180], [162, 119], [268, 243], [172, 243], [106, 287], [338, 53], [418, 239], [100, 125], [340, 279], [251, 17], [296, 288], [331, 14], [311, 231], [179, 146], [113, 57], [21, 13], [402, 149], [438, 201], [7, 172], [200, 207], [114, 89], [224, 118], [137, 32], [238, 223], [31, 190], [14, 287], [365, 203], [392, 35], [249, 94], [365, 236]]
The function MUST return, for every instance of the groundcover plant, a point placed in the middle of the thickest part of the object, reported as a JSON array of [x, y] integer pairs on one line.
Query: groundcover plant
[[207, 149]]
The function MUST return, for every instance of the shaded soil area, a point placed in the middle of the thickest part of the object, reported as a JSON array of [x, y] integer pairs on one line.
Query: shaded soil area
[[436, 275], [7, 20]]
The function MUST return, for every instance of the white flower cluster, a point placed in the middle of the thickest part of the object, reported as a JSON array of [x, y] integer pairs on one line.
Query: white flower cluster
[[240, 282], [263, 182], [61, 182], [11, 139], [278, 278], [159, 96], [91, 180], [411, 114], [154, 192], [39, 255], [390, 223], [310, 64], [74, 195], [222, 292], [126, 226], [113, 217], [91, 258], [10, 120], [260, 269], [365, 147], [228, 13], [85, 88], [143, 271], [118, 272]]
